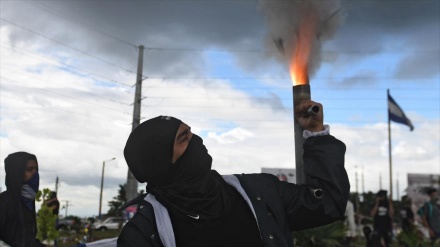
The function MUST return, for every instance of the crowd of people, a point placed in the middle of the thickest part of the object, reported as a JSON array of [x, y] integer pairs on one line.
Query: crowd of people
[[422, 222]]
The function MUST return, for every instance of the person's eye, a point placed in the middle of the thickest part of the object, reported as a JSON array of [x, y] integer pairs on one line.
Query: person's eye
[[184, 139]]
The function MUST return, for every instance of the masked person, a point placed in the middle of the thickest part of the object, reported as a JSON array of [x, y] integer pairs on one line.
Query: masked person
[[189, 204], [383, 213], [18, 226]]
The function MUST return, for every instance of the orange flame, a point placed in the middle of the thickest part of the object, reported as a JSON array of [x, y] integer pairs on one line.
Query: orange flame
[[299, 62]]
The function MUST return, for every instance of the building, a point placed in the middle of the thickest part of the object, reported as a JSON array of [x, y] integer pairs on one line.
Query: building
[[417, 184]]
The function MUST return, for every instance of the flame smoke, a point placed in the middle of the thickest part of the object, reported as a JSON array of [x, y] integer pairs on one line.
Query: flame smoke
[[297, 29]]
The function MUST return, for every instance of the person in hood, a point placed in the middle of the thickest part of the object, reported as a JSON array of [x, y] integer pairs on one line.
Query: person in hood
[[189, 204], [18, 226]]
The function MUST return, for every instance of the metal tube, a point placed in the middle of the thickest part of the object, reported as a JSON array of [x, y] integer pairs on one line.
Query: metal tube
[[312, 110], [300, 92]]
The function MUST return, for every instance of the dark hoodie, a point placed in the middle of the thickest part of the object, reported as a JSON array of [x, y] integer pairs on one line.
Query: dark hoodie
[[17, 222]]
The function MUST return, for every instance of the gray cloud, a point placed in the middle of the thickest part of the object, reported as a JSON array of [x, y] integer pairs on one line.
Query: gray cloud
[[272, 100], [423, 65], [360, 78], [371, 27]]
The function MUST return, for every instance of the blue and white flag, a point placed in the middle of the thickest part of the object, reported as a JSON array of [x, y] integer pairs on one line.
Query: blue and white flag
[[396, 114]]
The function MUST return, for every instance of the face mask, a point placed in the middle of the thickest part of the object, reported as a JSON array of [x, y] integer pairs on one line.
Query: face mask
[[34, 182], [195, 163]]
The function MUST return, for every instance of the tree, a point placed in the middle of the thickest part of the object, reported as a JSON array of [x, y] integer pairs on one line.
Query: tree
[[46, 229], [117, 201]]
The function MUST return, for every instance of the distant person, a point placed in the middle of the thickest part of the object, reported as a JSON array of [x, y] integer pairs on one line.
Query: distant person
[[382, 213], [431, 215], [18, 227], [190, 205], [350, 224], [407, 215]]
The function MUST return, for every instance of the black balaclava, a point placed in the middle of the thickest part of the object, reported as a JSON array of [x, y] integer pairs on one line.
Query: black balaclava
[[15, 166], [189, 188]]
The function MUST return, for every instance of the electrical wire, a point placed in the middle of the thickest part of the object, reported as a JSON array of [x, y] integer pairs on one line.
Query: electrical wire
[[281, 98], [81, 23], [73, 48], [90, 94], [64, 65], [60, 94], [67, 111]]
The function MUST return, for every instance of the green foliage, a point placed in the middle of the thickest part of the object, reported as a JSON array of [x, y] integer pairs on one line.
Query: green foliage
[[330, 235], [413, 239], [117, 202], [46, 221]]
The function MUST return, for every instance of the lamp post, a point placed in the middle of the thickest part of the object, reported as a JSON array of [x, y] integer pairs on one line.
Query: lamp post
[[102, 185]]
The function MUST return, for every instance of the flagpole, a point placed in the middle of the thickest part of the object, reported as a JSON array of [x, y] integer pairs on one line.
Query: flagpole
[[389, 148]]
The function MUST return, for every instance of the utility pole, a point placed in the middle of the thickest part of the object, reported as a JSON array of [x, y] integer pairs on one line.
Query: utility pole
[[102, 186], [363, 181], [66, 207], [56, 185], [356, 178], [397, 188], [100, 194], [357, 191], [380, 180], [131, 186]]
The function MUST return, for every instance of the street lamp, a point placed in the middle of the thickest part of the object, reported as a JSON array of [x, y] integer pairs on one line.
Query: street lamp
[[102, 185]]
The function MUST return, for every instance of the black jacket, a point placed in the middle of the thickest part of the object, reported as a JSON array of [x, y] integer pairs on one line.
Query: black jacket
[[280, 207], [18, 226]]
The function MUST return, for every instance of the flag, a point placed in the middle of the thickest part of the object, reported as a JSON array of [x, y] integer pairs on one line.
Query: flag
[[396, 114]]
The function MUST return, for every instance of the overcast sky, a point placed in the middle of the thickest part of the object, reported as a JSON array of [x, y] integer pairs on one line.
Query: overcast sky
[[67, 70]]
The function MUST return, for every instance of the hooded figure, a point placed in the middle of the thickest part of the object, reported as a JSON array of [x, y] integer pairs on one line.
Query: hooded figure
[[188, 186], [17, 204], [189, 204]]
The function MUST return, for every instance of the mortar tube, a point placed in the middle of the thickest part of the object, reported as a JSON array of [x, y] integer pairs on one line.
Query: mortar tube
[[300, 92]]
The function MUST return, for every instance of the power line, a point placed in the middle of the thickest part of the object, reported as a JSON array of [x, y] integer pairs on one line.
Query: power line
[[251, 78], [67, 111], [331, 88], [94, 95], [73, 48], [282, 108], [189, 49], [265, 121], [182, 49], [63, 95], [57, 63], [235, 120], [81, 23], [269, 98]]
